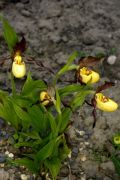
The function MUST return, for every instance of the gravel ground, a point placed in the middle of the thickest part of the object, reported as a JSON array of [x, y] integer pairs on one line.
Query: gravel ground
[[54, 29]]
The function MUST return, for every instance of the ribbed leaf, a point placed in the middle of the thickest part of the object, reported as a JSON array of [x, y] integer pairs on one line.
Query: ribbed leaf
[[46, 151], [116, 162], [52, 122], [32, 135], [58, 102], [70, 60], [54, 166], [70, 89], [79, 99], [23, 115], [66, 115], [7, 113], [9, 34], [28, 164], [32, 87], [39, 120]]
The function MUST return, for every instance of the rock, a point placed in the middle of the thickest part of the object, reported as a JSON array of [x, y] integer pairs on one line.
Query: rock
[[46, 23], [64, 171], [75, 151], [6, 152], [61, 58], [11, 155], [51, 9], [90, 168], [86, 137], [65, 178], [89, 121], [107, 178], [1, 123], [111, 59], [81, 149], [3, 133], [2, 3], [81, 133], [108, 166], [4, 175], [25, 13], [20, 5], [25, 1], [98, 50], [96, 138], [71, 133], [65, 39], [83, 177], [55, 37], [2, 158], [2, 165], [83, 157], [101, 123], [69, 155], [89, 37], [24, 177], [86, 143]]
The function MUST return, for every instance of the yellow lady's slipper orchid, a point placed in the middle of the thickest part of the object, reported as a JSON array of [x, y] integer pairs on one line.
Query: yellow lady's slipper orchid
[[116, 139], [45, 98], [18, 59], [104, 103], [18, 69], [89, 76]]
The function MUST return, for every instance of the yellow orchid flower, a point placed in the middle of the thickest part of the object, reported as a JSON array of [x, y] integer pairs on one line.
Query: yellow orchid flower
[[18, 67], [89, 76], [116, 139], [45, 98], [104, 103], [18, 59]]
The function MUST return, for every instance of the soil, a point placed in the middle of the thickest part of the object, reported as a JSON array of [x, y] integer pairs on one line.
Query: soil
[[53, 30]]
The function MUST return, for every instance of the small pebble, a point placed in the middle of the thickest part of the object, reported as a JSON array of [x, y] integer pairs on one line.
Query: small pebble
[[11, 155], [3, 133], [20, 5], [1, 123], [6, 152], [81, 133], [83, 157], [24, 177], [83, 177], [82, 143], [69, 155], [25, 13], [75, 151], [65, 178], [111, 59], [2, 165], [4, 174], [2, 158], [87, 143], [80, 149]]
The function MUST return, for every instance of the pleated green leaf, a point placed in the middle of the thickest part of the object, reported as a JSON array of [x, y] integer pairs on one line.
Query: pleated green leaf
[[9, 34]]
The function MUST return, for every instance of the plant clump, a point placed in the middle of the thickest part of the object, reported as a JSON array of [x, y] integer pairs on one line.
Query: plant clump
[[38, 112]]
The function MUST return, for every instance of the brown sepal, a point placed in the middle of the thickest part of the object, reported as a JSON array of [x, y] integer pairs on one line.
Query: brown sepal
[[104, 86], [19, 47], [89, 61]]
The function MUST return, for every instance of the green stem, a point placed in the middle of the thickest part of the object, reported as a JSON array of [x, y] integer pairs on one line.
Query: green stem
[[67, 66], [13, 85]]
